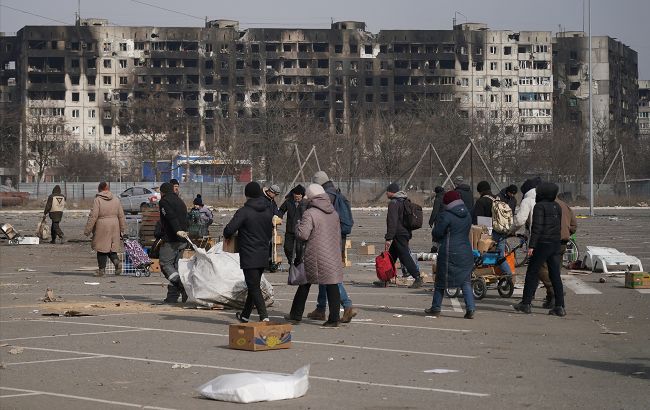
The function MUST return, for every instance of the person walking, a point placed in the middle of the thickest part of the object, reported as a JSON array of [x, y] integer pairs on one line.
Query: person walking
[[294, 206], [544, 246], [483, 208], [54, 209], [320, 228], [398, 235], [344, 212], [107, 224], [455, 260], [173, 232], [253, 223]]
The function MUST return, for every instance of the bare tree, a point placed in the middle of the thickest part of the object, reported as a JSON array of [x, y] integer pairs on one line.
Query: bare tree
[[83, 164], [9, 136], [155, 125], [45, 136]]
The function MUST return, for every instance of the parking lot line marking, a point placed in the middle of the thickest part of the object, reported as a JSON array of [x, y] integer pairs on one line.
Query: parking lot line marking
[[456, 305], [376, 306], [8, 396], [69, 334], [207, 366], [71, 396], [53, 360], [622, 281], [578, 286], [379, 349]]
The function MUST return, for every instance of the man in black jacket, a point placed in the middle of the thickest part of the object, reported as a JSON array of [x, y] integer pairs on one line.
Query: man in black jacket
[[293, 207], [437, 205], [544, 246], [483, 205], [254, 223], [173, 226], [398, 236]]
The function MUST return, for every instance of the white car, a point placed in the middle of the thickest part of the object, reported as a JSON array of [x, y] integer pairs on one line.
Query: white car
[[136, 198]]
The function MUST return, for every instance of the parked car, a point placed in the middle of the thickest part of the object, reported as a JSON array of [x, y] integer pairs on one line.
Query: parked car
[[136, 198]]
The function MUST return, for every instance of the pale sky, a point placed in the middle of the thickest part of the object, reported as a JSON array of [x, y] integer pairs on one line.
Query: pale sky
[[626, 20]]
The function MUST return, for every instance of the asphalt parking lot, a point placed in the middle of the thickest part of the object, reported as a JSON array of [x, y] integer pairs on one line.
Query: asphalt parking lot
[[154, 356]]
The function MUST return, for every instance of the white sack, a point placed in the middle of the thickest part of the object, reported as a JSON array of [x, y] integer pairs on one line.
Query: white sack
[[215, 277], [252, 387]]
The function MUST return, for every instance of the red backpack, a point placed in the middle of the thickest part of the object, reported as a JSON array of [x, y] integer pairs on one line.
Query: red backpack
[[385, 267]]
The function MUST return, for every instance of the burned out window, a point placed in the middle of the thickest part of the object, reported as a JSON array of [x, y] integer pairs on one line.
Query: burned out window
[[321, 47], [255, 48]]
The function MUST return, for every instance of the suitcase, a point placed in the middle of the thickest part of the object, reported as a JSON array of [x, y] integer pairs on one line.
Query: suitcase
[[136, 254]]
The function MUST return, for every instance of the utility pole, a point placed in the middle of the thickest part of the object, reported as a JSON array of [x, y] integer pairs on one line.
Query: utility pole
[[187, 151], [591, 136]]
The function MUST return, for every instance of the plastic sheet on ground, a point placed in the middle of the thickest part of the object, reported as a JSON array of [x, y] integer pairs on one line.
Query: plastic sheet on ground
[[254, 387], [214, 277]]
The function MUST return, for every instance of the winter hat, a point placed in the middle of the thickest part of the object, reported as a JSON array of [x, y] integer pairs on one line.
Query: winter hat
[[450, 197], [275, 189], [174, 181], [298, 190], [439, 189], [393, 188], [320, 178], [483, 186], [253, 190], [511, 189], [166, 188], [546, 191], [313, 190], [198, 200], [530, 184]]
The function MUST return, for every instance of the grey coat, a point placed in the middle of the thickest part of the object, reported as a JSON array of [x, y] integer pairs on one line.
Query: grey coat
[[320, 227]]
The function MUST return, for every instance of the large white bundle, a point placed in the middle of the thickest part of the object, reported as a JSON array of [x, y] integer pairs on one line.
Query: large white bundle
[[215, 277]]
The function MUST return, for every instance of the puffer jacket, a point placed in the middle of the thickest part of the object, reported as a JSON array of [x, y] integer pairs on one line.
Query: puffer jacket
[[320, 227], [524, 214], [455, 260], [254, 222], [106, 222], [547, 217], [395, 217]]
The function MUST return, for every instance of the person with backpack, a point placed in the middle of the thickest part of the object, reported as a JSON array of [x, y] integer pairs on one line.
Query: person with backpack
[[344, 211], [398, 233], [54, 208], [455, 259], [200, 218], [544, 247], [492, 207], [254, 223]]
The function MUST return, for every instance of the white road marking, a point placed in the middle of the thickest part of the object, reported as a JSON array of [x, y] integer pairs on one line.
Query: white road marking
[[456, 304], [144, 359], [70, 396], [7, 396], [293, 341], [53, 360], [622, 281], [375, 306], [69, 334], [578, 286]]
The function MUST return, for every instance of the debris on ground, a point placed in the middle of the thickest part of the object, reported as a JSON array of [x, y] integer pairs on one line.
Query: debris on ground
[[86, 269], [611, 332], [440, 371], [91, 283], [49, 296], [67, 313], [16, 350], [26, 270], [181, 366]]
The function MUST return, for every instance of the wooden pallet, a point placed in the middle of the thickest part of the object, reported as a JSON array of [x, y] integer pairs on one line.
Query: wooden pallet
[[150, 216]]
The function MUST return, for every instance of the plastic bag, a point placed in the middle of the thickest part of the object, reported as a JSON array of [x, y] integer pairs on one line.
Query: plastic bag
[[297, 275], [254, 387], [215, 277], [43, 230]]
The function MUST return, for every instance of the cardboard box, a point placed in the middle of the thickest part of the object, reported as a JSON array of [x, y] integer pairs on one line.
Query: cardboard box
[[367, 250], [278, 240], [475, 234], [231, 245], [348, 244], [485, 243], [637, 280], [155, 266], [257, 336]]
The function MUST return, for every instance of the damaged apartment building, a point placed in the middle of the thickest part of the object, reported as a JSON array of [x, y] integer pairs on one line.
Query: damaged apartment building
[[87, 73]]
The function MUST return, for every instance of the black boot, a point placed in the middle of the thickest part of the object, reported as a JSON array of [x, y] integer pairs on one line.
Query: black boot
[[522, 307]]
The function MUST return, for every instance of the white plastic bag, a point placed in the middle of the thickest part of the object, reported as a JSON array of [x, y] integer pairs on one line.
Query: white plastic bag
[[43, 230], [215, 277], [253, 387]]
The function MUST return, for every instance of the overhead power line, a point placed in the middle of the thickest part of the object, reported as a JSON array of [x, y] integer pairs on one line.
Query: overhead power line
[[169, 10], [34, 14]]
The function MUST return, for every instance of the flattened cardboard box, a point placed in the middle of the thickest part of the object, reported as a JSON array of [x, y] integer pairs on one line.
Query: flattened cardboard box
[[637, 280], [259, 336]]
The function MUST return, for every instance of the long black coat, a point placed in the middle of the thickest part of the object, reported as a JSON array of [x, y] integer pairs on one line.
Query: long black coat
[[254, 222], [294, 213], [173, 217], [437, 208], [455, 260]]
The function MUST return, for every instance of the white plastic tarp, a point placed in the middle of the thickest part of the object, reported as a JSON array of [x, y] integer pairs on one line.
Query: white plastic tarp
[[214, 277], [253, 387]]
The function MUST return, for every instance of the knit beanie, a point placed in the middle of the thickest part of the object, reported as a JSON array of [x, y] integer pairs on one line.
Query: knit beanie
[[320, 178], [483, 186], [393, 188], [439, 189], [198, 200], [253, 190], [450, 197], [166, 188], [313, 190]]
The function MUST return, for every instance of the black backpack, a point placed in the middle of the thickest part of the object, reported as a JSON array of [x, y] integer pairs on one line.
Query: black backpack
[[412, 215]]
